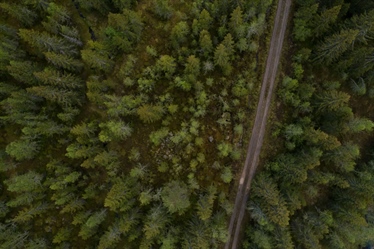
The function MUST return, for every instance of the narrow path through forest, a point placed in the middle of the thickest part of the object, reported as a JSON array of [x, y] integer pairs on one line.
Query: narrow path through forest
[[258, 130]]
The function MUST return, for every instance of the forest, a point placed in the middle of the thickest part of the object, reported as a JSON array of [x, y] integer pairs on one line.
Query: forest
[[123, 123], [315, 189]]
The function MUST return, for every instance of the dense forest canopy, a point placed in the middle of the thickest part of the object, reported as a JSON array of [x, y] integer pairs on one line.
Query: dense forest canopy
[[123, 122], [317, 191]]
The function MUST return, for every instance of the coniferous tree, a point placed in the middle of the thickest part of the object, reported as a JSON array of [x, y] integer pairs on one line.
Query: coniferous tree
[[162, 9], [175, 197], [179, 33], [19, 12], [236, 23], [205, 42], [166, 64], [205, 20], [323, 21], [54, 77], [23, 71], [150, 113], [335, 45], [64, 61], [23, 149], [222, 58], [97, 59], [45, 42], [124, 29]]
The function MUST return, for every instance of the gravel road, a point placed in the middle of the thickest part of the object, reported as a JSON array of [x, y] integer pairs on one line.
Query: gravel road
[[258, 130]]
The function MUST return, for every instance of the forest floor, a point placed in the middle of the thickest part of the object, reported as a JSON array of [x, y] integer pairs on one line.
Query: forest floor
[[258, 130]]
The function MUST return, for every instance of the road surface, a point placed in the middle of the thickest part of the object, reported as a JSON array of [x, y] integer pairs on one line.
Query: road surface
[[258, 130]]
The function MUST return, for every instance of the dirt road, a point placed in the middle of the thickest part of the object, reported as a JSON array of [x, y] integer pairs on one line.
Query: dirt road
[[258, 130]]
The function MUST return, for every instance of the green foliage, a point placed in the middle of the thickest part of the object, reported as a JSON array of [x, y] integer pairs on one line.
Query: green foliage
[[226, 175], [157, 136], [120, 195], [150, 113], [64, 61], [114, 130], [236, 22], [332, 100], [224, 149], [179, 33], [359, 87], [45, 42], [124, 29], [23, 149], [334, 46], [135, 169], [23, 71], [175, 197], [192, 66], [97, 59], [205, 20], [20, 13], [53, 77], [205, 42], [30, 181], [323, 21], [166, 64], [222, 58], [162, 9]]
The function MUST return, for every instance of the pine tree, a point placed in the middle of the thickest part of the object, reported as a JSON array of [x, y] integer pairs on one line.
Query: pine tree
[[359, 87], [162, 9], [343, 157], [158, 136], [89, 228], [155, 222], [111, 237], [205, 203], [222, 59], [28, 214], [114, 130], [205, 20], [45, 42], [228, 42], [166, 64], [236, 23], [64, 61], [360, 124], [120, 195], [192, 66], [332, 100], [335, 45], [65, 98], [175, 197], [179, 34], [273, 204], [124, 29], [54, 77], [97, 59], [150, 113], [205, 42], [23, 71], [19, 12], [23, 149], [323, 21], [63, 234]]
